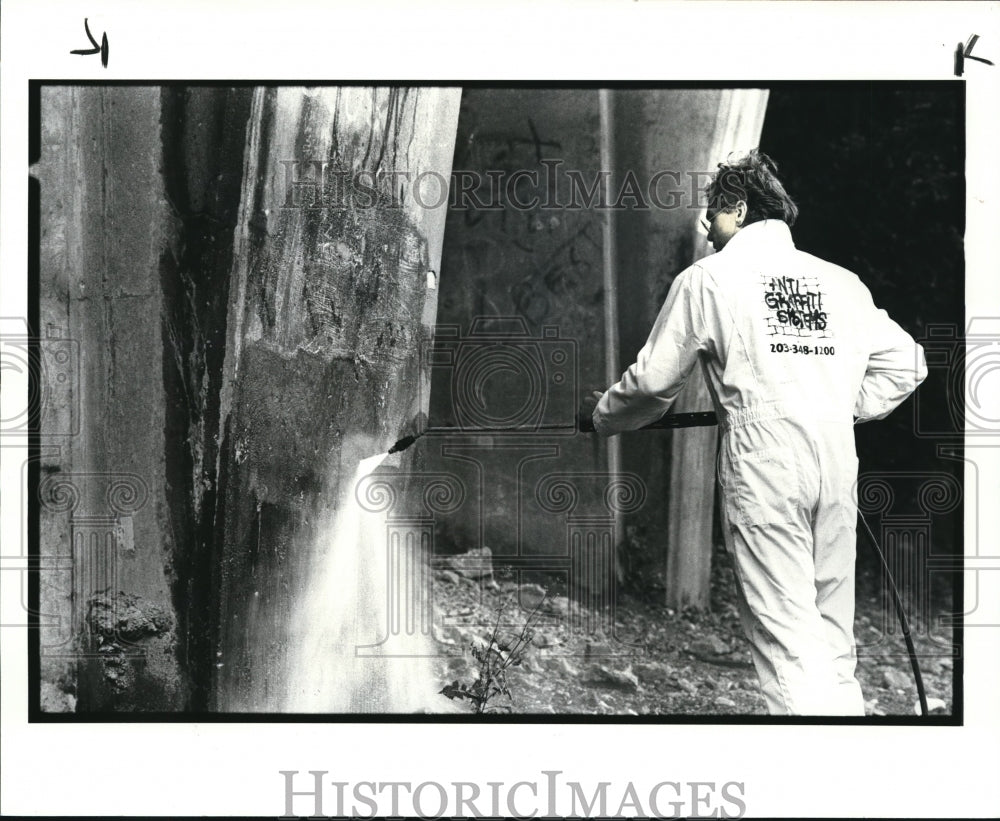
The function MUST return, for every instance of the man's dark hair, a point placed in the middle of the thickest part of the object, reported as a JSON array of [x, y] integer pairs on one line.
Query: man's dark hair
[[754, 180]]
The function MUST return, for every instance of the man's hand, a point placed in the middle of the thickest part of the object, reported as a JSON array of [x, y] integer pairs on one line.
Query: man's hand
[[585, 419]]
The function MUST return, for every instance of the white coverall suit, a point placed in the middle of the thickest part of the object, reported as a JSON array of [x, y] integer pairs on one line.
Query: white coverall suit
[[795, 351]]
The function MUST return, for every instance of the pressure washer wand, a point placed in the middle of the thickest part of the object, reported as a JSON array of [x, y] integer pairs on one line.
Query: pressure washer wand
[[668, 421]]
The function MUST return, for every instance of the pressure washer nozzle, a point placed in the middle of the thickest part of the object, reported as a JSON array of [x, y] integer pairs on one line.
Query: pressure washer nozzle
[[404, 443]]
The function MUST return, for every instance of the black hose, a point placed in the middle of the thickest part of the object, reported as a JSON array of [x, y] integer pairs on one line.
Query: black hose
[[898, 603]]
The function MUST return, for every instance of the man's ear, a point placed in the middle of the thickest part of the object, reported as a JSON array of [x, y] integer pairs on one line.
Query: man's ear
[[741, 213]]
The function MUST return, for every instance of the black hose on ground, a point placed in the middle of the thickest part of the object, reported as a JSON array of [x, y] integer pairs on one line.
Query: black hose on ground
[[900, 613]]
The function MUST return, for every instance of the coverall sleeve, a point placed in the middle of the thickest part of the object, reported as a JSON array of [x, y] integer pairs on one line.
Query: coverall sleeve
[[649, 386], [895, 368]]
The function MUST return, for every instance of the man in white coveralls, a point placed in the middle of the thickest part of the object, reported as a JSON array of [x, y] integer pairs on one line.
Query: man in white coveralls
[[795, 352]]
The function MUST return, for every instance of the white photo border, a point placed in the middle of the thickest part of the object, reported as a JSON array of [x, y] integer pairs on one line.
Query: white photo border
[[193, 769]]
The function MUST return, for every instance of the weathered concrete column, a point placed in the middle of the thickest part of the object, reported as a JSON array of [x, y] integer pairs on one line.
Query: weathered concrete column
[[738, 125], [332, 298], [675, 138], [109, 633]]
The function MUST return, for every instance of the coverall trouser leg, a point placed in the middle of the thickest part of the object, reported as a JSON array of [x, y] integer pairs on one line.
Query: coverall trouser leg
[[791, 511]]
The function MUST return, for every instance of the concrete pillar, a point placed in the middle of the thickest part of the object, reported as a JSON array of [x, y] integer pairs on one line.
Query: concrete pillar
[[738, 123], [110, 630], [333, 297]]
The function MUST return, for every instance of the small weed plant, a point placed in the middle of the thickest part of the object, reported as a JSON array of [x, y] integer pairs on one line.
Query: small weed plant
[[495, 655]]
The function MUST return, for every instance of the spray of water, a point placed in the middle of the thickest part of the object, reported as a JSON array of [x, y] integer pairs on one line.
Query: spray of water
[[342, 658]]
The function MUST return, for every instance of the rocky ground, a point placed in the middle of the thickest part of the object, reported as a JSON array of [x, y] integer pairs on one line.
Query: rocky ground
[[652, 660]]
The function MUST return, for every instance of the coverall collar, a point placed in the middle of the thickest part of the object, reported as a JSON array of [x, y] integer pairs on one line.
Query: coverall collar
[[768, 234]]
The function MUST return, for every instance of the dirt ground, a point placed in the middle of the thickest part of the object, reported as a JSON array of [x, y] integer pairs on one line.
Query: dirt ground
[[653, 660]]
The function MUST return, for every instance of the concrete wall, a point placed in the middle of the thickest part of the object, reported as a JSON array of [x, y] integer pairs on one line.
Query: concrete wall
[[521, 311]]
